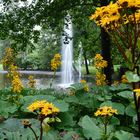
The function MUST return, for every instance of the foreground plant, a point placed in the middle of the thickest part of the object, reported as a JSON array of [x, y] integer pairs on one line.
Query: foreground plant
[[105, 112], [8, 58], [13, 75], [46, 113], [55, 64], [100, 64], [121, 21], [32, 82], [86, 87]]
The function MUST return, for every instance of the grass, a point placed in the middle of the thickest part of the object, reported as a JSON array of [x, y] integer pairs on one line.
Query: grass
[[1, 67], [92, 69]]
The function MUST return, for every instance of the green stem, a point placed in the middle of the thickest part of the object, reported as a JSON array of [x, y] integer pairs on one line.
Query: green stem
[[105, 128], [41, 130], [36, 137], [137, 110]]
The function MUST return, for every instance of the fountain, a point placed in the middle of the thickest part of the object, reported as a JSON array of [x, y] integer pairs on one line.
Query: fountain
[[67, 53], [80, 61]]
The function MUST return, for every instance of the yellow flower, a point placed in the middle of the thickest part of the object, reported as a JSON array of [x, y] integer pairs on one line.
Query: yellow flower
[[105, 111], [17, 85], [56, 62], [57, 57], [36, 105], [124, 79], [137, 92], [107, 15], [43, 107], [100, 79], [83, 81], [116, 14], [98, 57], [99, 62], [8, 58], [31, 82], [86, 87], [26, 122]]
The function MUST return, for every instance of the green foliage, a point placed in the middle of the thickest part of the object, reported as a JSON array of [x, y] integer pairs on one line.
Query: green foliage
[[90, 129], [76, 113], [122, 135], [132, 77], [7, 109], [12, 129], [130, 110]]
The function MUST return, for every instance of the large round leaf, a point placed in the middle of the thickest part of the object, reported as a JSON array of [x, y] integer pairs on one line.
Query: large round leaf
[[130, 110], [90, 129], [7, 108]]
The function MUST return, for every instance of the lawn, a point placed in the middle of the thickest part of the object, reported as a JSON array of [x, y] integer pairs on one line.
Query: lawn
[[1, 67]]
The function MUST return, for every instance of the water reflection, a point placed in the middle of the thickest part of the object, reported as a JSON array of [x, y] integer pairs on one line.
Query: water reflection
[[43, 80]]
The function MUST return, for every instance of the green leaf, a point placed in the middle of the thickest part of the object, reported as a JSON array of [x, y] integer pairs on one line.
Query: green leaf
[[126, 94], [129, 55], [51, 135], [131, 77], [7, 108], [123, 135], [77, 86], [120, 107], [12, 129], [62, 105], [66, 120], [72, 99], [130, 110], [70, 136], [90, 129], [120, 87], [114, 121]]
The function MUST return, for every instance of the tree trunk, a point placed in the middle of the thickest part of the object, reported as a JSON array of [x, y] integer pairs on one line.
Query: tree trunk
[[86, 63], [105, 44]]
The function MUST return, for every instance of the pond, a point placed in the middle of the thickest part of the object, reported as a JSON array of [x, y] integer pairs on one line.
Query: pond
[[43, 78]]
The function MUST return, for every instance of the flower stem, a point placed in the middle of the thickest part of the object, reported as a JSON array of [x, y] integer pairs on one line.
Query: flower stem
[[36, 137], [137, 109], [41, 130]]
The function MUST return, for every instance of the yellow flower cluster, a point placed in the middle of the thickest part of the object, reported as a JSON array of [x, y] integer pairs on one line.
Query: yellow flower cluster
[[99, 65], [115, 14], [100, 79], [137, 92], [86, 87], [13, 73], [115, 83], [99, 62], [8, 57], [17, 85], [43, 108], [124, 79], [83, 81], [31, 82], [56, 62], [105, 111]]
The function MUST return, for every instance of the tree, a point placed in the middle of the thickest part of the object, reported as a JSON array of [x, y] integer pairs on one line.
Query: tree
[[17, 23], [106, 52]]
